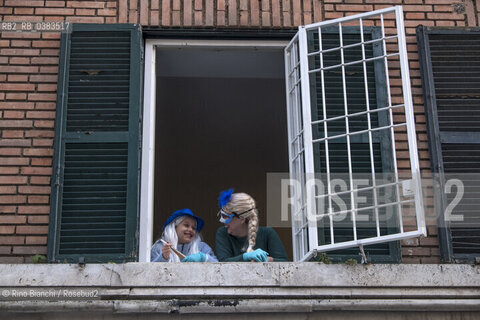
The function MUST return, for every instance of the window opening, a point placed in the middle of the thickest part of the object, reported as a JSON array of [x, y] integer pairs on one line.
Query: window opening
[[375, 136], [220, 123]]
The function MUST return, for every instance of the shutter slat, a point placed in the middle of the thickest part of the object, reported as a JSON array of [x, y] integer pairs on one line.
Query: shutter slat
[[97, 59], [455, 63], [97, 148], [459, 159]]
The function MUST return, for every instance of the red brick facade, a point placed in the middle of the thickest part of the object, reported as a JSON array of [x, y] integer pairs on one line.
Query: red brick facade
[[28, 77]]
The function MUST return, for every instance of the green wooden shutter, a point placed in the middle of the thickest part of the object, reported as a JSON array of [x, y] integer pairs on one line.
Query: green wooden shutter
[[382, 252], [450, 65], [95, 183]]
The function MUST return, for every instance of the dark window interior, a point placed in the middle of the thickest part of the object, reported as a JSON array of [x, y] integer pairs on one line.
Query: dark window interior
[[220, 123]]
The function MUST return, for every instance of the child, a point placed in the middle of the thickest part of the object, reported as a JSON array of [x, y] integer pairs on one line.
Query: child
[[181, 232]]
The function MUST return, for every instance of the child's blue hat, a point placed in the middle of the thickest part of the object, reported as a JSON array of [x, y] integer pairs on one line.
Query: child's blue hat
[[184, 212]]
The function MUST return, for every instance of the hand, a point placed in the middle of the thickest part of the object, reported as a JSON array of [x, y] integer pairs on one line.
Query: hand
[[196, 257], [166, 250], [257, 255]]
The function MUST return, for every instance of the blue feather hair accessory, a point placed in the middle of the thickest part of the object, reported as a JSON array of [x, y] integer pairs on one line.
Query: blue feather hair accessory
[[224, 197]]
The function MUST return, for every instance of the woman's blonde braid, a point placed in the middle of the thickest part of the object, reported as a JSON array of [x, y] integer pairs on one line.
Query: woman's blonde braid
[[252, 226]]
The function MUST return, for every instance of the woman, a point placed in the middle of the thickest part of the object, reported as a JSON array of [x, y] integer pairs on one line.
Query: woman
[[181, 232], [241, 239]]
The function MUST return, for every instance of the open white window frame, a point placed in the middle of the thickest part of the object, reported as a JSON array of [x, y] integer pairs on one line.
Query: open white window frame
[[305, 242], [304, 214], [148, 140]]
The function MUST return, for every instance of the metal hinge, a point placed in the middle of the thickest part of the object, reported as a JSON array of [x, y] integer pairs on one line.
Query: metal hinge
[[57, 177]]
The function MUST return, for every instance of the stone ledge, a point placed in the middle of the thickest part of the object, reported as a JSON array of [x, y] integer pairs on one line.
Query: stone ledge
[[202, 275], [240, 306], [139, 293], [215, 288]]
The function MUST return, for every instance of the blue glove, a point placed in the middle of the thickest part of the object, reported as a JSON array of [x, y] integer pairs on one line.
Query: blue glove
[[258, 255], [196, 257]]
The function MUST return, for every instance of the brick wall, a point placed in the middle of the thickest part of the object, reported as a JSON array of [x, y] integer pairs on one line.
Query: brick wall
[[28, 77]]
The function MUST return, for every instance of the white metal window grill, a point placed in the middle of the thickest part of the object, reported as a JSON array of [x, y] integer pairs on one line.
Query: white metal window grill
[[296, 145], [352, 141]]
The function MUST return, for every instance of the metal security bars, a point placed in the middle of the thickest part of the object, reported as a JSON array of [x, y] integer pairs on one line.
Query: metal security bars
[[353, 154]]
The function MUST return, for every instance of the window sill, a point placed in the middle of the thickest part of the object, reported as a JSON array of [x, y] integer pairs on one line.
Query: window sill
[[243, 287]]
